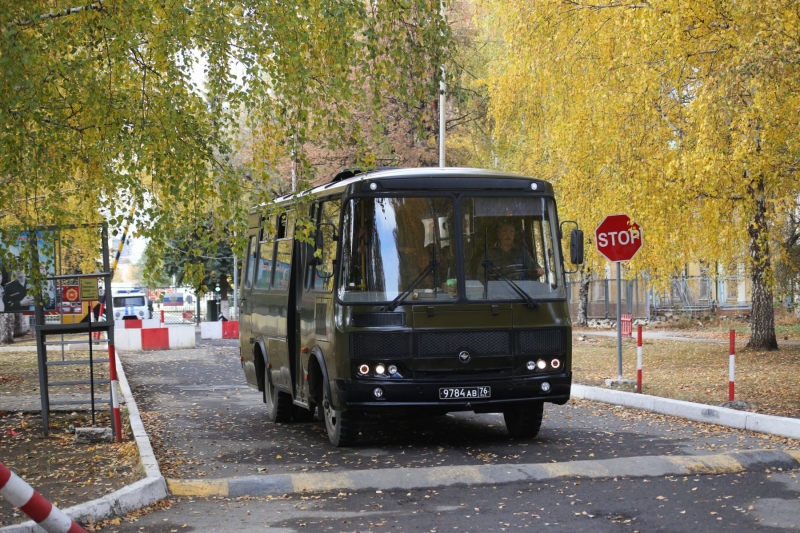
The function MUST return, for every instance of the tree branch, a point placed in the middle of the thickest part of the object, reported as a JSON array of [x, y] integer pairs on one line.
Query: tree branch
[[97, 6]]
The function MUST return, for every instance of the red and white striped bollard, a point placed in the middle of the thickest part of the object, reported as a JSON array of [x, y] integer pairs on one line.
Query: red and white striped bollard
[[731, 365], [639, 358], [112, 363], [23, 497]]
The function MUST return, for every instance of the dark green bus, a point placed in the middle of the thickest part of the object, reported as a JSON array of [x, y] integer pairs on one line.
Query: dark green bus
[[427, 290]]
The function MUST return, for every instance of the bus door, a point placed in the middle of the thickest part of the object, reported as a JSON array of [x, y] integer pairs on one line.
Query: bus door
[[281, 304], [316, 307], [270, 304], [246, 337]]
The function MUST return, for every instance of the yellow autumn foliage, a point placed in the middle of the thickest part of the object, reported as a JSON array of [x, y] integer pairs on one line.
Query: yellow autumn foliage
[[682, 114]]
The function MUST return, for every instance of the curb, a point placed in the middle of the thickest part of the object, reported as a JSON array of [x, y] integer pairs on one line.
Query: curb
[[723, 416], [445, 476], [145, 492]]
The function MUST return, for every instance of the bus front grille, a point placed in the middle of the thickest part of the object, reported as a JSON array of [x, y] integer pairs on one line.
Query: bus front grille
[[490, 350]]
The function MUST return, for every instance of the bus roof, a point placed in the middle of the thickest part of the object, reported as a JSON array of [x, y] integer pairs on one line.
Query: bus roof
[[338, 185]]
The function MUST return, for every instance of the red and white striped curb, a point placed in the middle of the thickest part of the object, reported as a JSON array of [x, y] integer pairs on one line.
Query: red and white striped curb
[[23, 497]]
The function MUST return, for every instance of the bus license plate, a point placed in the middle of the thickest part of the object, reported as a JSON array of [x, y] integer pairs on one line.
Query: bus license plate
[[461, 393]]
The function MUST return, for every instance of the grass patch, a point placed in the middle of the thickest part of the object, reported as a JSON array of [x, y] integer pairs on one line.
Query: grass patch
[[19, 372], [696, 371]]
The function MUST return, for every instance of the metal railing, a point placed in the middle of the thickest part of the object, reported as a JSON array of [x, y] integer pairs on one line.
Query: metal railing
[[687, 294]]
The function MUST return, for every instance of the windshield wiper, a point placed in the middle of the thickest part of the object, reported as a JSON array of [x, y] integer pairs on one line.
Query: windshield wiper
[[529, 302], [488, 266], [406, 293]]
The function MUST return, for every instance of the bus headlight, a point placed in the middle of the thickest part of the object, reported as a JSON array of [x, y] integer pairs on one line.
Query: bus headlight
[[392, 370], [531, 366], [556, 364], [541, 364], [380, 369], [363, 370]]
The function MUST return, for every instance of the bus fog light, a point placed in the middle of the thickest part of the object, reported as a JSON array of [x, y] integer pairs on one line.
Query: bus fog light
[[531, 365], [545, 386], [363, 370], [556, 364], [380, 369], [378, 392], [392, 370], [541, 364]]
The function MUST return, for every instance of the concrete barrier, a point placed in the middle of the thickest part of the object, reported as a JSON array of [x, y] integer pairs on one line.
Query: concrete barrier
[[147, 323], [154, 338], [228, 329]]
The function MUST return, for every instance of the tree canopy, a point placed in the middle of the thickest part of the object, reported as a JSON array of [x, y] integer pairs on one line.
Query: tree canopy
[[684, 115], [102, 102]]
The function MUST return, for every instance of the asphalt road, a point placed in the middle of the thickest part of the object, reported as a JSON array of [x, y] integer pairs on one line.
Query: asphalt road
[[748, 502], [206, 423]]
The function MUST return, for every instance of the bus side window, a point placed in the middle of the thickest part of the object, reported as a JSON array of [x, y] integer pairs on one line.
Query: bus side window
[[328, 222], [250, 266], [283, 256], [265, 252], [309, 271]]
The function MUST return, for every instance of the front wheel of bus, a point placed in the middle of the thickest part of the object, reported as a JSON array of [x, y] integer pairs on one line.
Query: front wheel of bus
[[342, 426], [279, 404], [523, 420]]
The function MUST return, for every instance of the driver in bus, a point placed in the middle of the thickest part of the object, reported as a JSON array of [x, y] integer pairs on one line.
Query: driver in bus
[[511, 257]]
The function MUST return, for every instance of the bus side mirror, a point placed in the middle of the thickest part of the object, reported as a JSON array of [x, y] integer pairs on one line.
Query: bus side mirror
[[576, 247]]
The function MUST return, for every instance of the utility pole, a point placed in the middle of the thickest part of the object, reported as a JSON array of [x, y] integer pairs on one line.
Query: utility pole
[[442, 101]]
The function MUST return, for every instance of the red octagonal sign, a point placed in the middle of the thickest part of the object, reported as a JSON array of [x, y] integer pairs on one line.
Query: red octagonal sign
[[617, 238]]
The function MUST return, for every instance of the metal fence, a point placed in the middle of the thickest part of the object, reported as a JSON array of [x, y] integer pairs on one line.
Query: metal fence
[[686, 294], [602, 301]]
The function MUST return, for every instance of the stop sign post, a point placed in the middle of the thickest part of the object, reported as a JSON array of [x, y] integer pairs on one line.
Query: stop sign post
[[618, 239]]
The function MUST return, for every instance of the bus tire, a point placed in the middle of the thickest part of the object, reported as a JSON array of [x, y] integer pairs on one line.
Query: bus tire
[[342, 426], [524, 419], [279, 404]]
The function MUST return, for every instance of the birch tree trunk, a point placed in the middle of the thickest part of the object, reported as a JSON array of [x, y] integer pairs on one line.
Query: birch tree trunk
[[6, 328], [21, 324], [583, 300], [762, 317]]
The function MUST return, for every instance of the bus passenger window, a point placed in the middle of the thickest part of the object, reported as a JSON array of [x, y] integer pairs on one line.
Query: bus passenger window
[[283, 257], [264, 269], [250, 266], [328, 222]]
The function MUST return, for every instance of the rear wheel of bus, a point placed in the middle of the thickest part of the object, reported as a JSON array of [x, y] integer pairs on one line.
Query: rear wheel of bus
[[524, 419]]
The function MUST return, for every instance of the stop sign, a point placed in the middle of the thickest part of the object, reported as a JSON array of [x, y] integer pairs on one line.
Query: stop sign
[[617, 238]]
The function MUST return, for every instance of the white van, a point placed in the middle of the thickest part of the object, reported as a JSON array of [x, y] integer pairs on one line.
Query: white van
[[130, 304]]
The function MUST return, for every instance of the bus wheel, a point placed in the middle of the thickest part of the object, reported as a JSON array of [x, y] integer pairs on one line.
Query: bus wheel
[[524, 419], [279, 404], [342, 426]]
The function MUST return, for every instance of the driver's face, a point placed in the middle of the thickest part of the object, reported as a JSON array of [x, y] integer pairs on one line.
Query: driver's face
[[505, 235]]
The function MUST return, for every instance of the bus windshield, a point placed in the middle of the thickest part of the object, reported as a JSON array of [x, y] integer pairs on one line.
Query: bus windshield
[[398, 244]]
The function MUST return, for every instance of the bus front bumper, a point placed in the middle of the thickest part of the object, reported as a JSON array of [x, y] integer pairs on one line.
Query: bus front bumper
[[363, 394]]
